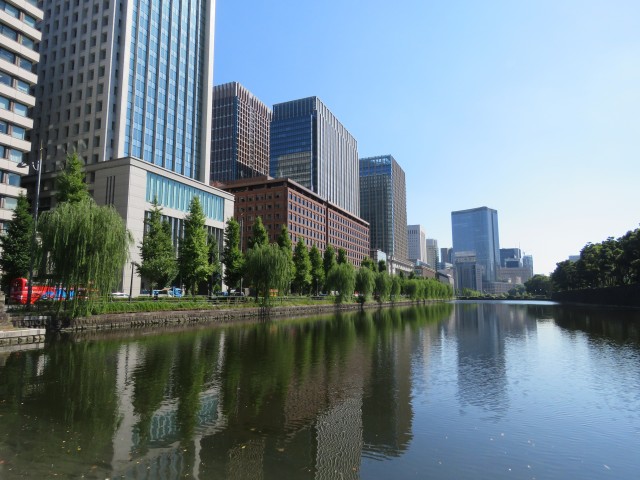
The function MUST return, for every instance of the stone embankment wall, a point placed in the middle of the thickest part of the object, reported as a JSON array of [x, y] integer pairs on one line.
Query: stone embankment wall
[[622, 296], [21, 336], [190, 317]]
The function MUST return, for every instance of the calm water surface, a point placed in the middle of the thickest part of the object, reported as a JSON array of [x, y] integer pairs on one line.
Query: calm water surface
[[454, 391]]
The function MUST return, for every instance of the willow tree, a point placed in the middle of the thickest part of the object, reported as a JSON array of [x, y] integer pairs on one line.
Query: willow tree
[[193, 257], [84, 247], [268, 269]]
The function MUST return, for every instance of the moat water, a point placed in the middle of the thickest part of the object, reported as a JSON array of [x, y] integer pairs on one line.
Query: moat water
[[489, 390]]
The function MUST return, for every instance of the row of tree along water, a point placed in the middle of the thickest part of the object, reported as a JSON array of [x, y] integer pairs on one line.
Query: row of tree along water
[[81, 246]]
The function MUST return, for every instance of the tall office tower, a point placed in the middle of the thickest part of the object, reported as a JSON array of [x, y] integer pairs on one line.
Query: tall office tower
[[527, 262], [476, 230], [239, 134], [432, 252], [383, 203], [311, 147], [18, 57], [128, 86], [127, 79], [417, 243]]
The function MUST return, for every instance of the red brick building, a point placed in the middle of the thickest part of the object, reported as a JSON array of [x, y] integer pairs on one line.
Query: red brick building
[[282, 201]]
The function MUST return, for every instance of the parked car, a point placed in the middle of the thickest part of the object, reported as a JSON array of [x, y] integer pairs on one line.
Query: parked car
[[120, 295]]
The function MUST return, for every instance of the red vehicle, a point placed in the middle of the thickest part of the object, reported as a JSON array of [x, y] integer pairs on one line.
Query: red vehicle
[[20, 291]]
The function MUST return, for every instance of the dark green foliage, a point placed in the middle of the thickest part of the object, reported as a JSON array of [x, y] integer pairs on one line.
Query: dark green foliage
[[70, 185], [364, 283], [214, 261], [232, 257], [317, 269], [382, 266], [158, 265], [342, 278], [193, 257], [302, 273], [259, 235], [284, 242], [539, 285], [383, 286], [16, 244], [396, 287], [610, 263], [370, 264], [342, 256], [329, 260], [268, 270]]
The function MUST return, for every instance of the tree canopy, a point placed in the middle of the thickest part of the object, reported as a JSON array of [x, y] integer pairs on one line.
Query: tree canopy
[[302, 271], [193, 256], [232, 257], [158, 255], [268, 270], [70, 185], [259, 235], [317, 268]]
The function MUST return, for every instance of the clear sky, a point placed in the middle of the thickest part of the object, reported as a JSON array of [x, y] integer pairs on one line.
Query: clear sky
[[529, 107]]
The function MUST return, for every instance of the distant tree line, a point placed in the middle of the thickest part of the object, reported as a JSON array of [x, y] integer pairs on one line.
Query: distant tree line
[[613, 262], [280, 268]]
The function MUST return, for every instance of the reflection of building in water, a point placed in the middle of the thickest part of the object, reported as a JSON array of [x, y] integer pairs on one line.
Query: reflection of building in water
[[164, 449], [386, 410], [482, 330]]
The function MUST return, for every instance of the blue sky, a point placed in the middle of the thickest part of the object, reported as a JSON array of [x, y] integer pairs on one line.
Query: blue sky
[[530, 107]]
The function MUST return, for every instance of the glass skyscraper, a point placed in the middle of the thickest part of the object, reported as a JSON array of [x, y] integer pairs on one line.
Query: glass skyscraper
[[383, 203], [310, 146], [476, 230], [127, 79]]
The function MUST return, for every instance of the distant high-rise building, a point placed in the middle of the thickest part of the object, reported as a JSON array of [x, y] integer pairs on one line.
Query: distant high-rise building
[[476, 230], [383, 203], [527, 262], [432, 252], [311, 147], [19, 49], [445, 255], [239, 134], [511, 255], [417, 243]]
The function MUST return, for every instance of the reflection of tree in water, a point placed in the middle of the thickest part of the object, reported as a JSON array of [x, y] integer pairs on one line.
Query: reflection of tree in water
[[482, 378], [623, 327], [63, 406]]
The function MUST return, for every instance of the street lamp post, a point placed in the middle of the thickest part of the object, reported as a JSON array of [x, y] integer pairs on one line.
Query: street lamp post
[[35, 222]]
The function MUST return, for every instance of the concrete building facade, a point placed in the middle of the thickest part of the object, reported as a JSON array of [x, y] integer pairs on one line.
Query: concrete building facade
[[19, 56], [432, 252], [383, 203], [240, 134], [416, 243]]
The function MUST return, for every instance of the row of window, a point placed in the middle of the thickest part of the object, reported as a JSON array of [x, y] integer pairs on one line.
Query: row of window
[[13, 130], [9, 178], [15, 59], [11, 154], [10, 80], [15, 12]]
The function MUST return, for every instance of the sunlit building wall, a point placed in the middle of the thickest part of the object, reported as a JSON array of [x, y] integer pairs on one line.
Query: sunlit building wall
[[19, 39]]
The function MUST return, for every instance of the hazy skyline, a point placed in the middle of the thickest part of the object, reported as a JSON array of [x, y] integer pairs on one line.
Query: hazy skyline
[[528, 108]]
